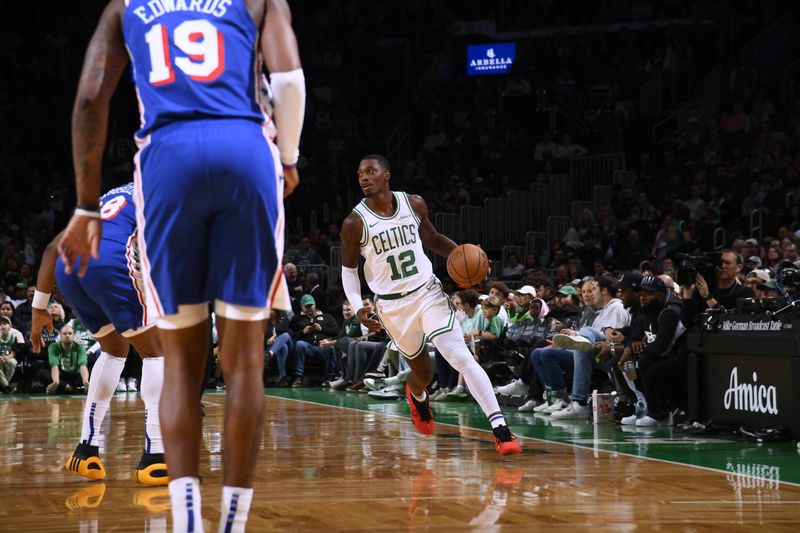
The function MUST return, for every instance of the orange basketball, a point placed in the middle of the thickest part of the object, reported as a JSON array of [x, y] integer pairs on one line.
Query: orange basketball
[[467, 265]]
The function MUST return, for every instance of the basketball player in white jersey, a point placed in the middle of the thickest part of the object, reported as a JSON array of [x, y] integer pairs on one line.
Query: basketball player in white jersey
[[390, 229]]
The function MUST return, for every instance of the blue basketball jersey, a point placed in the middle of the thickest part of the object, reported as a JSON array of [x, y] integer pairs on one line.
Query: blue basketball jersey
[[192, 59], [118, 213]]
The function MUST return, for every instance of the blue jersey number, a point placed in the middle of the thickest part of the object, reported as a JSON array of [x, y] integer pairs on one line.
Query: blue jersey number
[[202, 43]]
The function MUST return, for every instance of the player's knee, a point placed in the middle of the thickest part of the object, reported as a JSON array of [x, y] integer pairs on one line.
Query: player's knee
[[186, 317], [451, 346]]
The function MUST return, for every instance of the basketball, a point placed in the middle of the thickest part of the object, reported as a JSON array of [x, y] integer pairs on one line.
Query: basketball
[[467, 265]]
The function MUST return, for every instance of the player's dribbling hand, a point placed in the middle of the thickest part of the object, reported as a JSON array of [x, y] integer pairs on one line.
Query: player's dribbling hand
[[291, 179], [40, 319], [81, 240], [371, 323]]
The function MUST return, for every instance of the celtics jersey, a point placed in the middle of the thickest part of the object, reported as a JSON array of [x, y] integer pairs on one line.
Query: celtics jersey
[[392, 247]]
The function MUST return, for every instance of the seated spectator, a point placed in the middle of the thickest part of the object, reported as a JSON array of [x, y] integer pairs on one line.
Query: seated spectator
[[278, 344], [565, 307], [304, 254], [500, 291], [351, 329], [581, 343], [10, 343], [24, 310], [568, 149], [314, 334], [311, 286], [68, 370], [513, 269], [523, 296], [660, 374], [756, 278], [7, 310], [365, 351]]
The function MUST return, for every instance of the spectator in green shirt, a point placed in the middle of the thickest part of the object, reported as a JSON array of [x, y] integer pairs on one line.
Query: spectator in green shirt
[[493, 325], [68, 362]]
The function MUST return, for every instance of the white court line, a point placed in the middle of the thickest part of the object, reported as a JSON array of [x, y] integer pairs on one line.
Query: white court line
[[738, 502], [667, 461]]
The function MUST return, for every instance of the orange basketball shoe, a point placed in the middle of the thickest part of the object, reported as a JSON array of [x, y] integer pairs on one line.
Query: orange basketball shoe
[[505, 441], [421, 413]]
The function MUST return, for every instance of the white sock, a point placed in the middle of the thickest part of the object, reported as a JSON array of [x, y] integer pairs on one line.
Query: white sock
[[497, 419], [102, 385], [420, 399], [184, 493], [152, 381], [235, 508]]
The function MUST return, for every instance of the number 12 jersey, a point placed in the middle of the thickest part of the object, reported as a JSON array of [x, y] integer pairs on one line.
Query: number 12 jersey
[[392, 248], [192, 59]]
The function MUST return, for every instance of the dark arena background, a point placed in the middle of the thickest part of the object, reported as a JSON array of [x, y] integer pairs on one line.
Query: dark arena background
[[630, 157]]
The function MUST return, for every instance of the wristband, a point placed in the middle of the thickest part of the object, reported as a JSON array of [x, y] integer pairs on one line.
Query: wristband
[[40, 300], [81, 212]]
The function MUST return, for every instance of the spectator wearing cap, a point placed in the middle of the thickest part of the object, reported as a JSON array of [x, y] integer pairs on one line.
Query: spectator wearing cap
[[754, 279], [616, 340], [750, 249], [524, 295], [581, 343], [565, 307], [661, 370], [314, 333], [768, 289], [753, 262]]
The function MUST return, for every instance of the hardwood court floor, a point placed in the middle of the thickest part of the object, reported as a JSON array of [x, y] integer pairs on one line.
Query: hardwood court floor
[[342, 462]]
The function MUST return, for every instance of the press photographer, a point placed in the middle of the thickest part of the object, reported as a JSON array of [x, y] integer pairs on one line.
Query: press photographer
[[710, 281]]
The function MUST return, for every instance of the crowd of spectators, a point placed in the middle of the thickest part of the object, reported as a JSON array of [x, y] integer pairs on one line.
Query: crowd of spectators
[[477, 138]]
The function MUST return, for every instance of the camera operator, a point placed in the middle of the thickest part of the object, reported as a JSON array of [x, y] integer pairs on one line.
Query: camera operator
[[720, 292]]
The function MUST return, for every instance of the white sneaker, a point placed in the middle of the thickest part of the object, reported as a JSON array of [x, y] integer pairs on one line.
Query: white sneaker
[[438, 395], [515, 388], [121, 386], [337, 382], [648, 421], [629, 420], [132, 385], [573, 411], [558, 405], [542, 407], [374, 384], [572, 342], [527, 407], [392, 392]]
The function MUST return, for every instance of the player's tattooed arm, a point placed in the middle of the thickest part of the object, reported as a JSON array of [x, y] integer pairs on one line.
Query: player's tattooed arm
[[103, 66], [431, 239]]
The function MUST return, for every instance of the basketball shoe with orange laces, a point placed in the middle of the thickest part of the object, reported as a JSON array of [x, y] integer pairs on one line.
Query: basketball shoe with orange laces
[[505, 441], [421, 413]]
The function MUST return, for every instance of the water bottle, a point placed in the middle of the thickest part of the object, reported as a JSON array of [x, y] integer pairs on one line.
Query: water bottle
[[549, 395], [629, 367]]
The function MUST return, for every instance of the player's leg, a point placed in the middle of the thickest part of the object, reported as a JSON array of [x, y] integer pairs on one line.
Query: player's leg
[[243, 366], [245, 246], [184, 339], [84, 295], [152, 468], [451, 345], [85, 460]]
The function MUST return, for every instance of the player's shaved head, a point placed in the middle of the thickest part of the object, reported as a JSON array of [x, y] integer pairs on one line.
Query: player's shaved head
[[380, 159]]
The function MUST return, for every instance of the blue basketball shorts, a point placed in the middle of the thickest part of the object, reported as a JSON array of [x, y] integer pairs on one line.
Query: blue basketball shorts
[[110, 293], [209, 200]]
